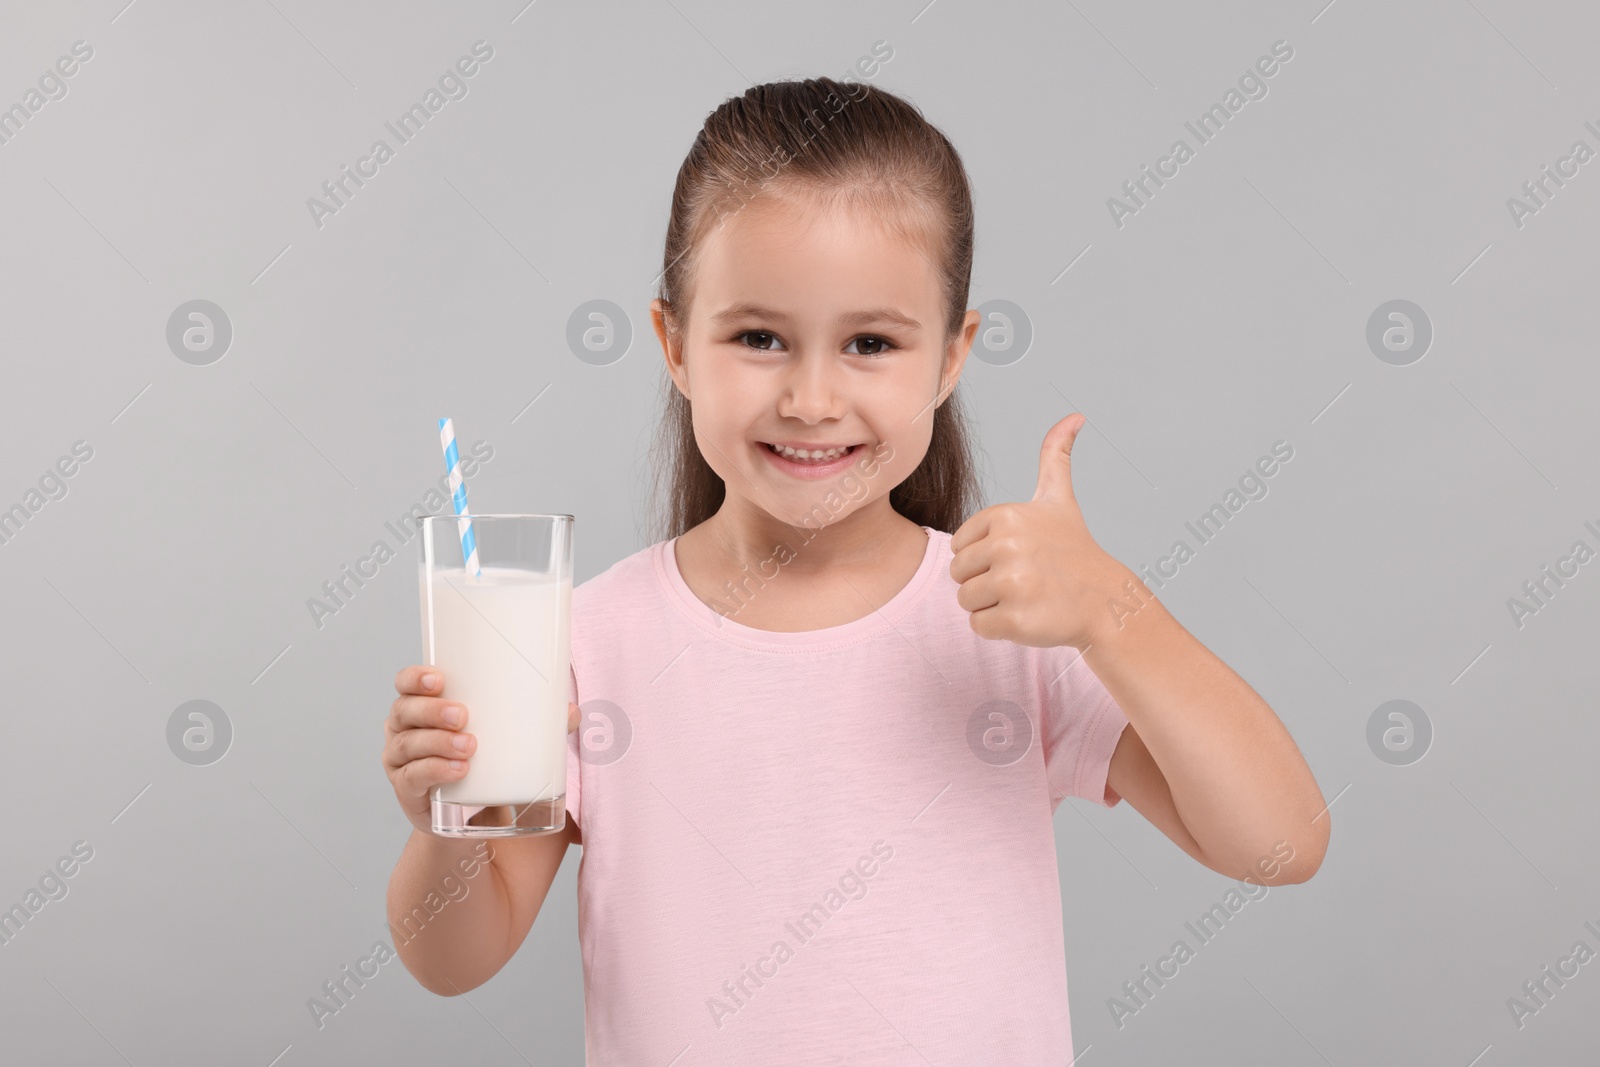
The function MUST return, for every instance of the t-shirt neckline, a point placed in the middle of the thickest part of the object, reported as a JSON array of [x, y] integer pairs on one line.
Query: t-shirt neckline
[[874, 622]]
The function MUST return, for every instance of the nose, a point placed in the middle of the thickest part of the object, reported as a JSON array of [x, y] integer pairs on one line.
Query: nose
[[811, 389]]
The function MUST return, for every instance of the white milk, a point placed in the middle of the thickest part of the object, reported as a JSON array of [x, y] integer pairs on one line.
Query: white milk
[[494, 640]]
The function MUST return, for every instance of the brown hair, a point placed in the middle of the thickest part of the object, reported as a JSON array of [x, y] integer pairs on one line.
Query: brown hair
[[854, 142]]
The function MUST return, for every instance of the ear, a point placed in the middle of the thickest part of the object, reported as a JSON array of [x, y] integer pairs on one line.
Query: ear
[[956, 355], [671, 344]]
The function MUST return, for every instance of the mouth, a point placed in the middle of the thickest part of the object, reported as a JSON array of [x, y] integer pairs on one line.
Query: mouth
[[809, 462]]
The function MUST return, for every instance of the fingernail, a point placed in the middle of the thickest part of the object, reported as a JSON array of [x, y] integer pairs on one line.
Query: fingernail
[[460, 741], [457, 764], [452, 715], [430, 681]]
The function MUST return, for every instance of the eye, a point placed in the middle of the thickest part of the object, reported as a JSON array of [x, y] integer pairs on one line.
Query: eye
[[883, 343], [756, 333]]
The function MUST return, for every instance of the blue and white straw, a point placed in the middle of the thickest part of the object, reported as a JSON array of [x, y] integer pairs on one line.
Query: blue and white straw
[[458, 496]]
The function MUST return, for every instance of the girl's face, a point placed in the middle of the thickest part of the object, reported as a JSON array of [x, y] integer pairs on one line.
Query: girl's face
[[813, 326]]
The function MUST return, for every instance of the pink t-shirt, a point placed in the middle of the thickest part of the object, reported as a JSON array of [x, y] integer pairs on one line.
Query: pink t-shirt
[[826, 847]]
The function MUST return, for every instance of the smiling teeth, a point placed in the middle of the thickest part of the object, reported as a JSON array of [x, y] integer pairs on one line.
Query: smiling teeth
[[811, 456]]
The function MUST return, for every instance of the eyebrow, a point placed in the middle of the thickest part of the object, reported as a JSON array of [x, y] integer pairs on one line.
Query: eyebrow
[[854, 318]]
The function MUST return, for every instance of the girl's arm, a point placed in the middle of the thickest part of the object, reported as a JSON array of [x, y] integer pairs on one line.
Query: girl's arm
[[1205, 752], [467, 940], [1206, 760]]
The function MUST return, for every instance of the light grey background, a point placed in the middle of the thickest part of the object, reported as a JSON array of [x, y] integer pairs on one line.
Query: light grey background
[[1229, 313]]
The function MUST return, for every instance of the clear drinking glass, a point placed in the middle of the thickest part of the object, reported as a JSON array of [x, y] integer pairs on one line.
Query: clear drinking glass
[[502, 640]]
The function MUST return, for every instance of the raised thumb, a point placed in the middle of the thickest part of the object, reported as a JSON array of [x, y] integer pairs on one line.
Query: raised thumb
[[1055, 459]]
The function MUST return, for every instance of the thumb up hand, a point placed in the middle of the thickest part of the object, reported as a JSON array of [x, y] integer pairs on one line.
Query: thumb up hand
[[1031, 573]]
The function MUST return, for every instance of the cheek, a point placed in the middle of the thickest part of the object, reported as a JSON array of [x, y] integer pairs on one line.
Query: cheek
[[714, 446], [726, 398], [903, 446], [722, 427]]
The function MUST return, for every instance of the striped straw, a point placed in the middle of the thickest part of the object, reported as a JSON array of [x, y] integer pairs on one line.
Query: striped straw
[[458, 496]]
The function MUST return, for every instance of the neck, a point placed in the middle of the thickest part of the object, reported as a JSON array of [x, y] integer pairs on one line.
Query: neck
[[747, 534]]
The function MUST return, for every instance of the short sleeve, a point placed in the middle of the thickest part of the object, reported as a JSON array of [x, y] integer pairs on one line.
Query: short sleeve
[[574, 765], [1080, 725]]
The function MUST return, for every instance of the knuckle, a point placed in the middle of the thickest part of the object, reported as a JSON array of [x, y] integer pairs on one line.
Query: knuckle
[[417, 711], [418, 744], [421, 773], [409, 777], [403, 752]]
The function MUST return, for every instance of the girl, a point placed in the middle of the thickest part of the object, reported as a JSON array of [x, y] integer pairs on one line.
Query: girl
[[834, 710]]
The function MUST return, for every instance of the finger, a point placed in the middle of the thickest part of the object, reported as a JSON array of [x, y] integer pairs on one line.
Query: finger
[[1055, 459], [979, 593], [415, 679], [972, 561], [986, 623], [573, 715], [974, 529], [419, 776], [412, 745], [409, 713]]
